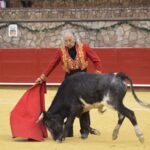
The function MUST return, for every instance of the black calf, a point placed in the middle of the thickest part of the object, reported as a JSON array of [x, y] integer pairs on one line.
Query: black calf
[[82, 92]]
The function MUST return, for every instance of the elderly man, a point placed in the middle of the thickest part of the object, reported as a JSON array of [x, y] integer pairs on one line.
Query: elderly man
[[73, 56]]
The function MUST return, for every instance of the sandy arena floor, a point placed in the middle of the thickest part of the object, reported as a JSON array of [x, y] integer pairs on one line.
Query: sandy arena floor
[[9, 95]]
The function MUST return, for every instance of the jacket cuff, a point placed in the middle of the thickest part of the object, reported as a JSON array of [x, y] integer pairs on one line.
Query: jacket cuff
[[43, 77]]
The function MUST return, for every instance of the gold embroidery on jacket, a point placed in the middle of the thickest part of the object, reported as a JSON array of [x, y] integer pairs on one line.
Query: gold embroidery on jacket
[[71, 64], [83, 62], [64, 59]]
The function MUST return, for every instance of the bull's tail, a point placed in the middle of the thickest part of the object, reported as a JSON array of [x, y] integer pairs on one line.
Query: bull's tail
[[123, 77]]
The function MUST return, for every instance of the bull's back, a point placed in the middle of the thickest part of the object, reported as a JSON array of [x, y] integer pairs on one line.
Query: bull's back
[[89, 86]]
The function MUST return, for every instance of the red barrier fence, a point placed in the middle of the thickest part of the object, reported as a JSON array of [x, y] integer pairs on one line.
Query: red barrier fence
[[21, 66]]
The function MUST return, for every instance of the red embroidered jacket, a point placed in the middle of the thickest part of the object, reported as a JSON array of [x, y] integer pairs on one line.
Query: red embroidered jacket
[[80, 62]]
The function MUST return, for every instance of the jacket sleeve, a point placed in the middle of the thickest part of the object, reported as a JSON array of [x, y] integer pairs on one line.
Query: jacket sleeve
[[53, 63], [93, 57]]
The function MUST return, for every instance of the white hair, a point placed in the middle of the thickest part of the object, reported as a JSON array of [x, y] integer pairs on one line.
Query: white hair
[[74, 35]]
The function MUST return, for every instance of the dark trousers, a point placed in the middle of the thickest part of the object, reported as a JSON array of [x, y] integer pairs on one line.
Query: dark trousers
[[84, 125], [84, 118]]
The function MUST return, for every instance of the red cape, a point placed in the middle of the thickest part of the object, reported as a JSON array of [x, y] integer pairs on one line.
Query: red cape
[[25, 114]]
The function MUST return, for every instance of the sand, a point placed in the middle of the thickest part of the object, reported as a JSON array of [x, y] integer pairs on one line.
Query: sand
[[105, 123]]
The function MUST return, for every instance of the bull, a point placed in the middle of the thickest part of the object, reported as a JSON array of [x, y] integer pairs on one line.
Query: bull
[[82, 92]]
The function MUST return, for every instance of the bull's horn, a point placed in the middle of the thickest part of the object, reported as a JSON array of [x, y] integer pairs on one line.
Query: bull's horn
[[40, 117]]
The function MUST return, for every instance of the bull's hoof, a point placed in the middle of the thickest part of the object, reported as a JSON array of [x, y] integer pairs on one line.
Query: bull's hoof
[[140, 136], [63, 138], [141, 139], [114, 137], [115, 134], [102, 109], [94, 131]]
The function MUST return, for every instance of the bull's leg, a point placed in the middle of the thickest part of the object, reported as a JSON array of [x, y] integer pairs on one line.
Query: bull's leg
[[75, 110], [130, 115], [68, 125], [116, 130], [69, 133]]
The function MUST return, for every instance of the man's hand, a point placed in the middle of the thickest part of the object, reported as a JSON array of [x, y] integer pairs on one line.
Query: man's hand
[[41, 79], [98, 72]]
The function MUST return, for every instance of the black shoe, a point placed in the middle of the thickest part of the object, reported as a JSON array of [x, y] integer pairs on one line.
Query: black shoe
[[94, 131], [84, 135]]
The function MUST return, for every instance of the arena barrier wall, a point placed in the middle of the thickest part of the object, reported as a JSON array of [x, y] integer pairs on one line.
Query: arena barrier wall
[[21, 66]]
